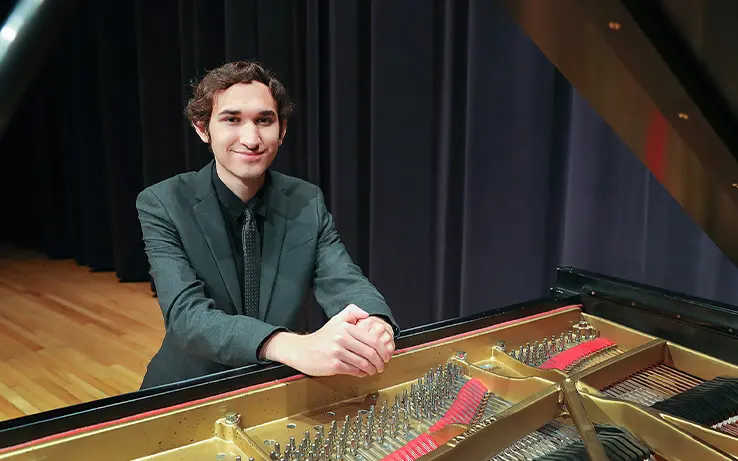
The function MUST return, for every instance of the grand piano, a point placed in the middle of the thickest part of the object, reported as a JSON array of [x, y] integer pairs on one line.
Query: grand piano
[[600, 369]]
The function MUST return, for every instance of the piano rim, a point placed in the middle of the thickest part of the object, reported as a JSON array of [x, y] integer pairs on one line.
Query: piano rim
[[32, 428], [572, 286]]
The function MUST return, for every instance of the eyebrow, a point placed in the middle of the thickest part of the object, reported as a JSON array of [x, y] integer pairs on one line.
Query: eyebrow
[[238, 112]]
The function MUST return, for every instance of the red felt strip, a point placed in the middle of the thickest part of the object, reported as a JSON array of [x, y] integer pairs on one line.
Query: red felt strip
[[565, 359], [463, 410], [414, 449], [465, 406]]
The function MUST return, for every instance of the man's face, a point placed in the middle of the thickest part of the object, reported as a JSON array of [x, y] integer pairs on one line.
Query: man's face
[[244, 131]]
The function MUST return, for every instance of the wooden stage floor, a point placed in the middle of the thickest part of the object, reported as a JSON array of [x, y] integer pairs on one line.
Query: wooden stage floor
[[69, 335]]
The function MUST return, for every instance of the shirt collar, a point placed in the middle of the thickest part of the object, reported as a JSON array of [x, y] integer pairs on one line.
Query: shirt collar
[[233, 205]]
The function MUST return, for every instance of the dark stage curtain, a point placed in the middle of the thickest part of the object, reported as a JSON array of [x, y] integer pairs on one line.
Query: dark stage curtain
[[461, 168]]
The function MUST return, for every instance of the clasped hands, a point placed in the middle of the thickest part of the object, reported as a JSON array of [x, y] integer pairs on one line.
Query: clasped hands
[[351, 343]]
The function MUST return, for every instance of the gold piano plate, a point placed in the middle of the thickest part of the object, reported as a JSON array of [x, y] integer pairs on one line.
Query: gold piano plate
[[654, 372], [524, 351], [462, 397], [667, 441]]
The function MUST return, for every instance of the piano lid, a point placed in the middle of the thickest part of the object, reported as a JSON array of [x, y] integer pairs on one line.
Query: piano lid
[[664, 75]]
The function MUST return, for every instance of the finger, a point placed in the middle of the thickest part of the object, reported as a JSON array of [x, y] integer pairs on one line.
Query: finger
[[385, 325], [389, 342], [349, 357], [344, 368], [385, 338], [364, 350], [372, 340], [352, 313], [377, 329]]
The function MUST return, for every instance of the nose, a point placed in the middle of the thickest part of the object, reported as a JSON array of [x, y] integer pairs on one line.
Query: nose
[[249, 136]]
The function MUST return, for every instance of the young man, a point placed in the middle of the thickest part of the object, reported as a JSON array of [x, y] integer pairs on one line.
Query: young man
[[234, 247]]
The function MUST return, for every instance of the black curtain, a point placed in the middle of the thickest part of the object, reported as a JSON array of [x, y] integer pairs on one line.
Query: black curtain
[[460, 166]]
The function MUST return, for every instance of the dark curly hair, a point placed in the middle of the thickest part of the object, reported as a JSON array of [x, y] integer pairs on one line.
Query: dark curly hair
[[200, 107]]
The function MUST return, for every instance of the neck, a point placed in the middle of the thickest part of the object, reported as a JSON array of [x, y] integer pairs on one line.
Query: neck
[[245, 189]]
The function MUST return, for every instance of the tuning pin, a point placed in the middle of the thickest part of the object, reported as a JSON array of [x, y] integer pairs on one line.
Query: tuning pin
[[332, 436], [370, 419], [533, 353], [339, 451], [579, 330], [544, 349]]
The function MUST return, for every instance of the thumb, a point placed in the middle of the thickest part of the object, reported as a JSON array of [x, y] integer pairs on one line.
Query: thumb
[[351, 314]]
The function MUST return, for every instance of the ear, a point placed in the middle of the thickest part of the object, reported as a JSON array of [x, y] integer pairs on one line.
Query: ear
[[283, 131], [201, 131]]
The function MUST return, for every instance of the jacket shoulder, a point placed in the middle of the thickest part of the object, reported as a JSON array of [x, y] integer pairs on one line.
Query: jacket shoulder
[[173, 188], [292, 186]]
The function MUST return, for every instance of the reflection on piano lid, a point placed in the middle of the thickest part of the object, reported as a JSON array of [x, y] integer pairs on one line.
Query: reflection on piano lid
[[661, 73]]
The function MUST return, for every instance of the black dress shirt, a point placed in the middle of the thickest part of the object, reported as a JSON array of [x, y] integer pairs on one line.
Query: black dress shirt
[[232, 208]]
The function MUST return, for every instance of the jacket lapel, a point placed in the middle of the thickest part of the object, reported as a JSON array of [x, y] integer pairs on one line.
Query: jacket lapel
[[209, 217], [274, 230]]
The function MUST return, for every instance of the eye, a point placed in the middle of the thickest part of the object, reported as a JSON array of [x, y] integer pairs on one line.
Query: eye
[[231, 120], [264, 120]]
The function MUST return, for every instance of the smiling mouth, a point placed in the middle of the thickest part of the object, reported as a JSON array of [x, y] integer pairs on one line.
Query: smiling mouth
[[250, 154]]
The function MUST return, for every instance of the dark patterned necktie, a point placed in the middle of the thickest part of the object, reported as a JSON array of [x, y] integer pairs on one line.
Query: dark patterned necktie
[[251, 263]]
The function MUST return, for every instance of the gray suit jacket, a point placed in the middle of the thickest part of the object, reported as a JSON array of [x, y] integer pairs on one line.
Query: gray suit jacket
[[194, 273]]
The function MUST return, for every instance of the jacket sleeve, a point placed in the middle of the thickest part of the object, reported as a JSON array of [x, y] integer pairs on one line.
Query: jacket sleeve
[[191, 318], [339, 282]]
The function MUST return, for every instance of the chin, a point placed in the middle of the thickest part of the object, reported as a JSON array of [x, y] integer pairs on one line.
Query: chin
[[249, 173]]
